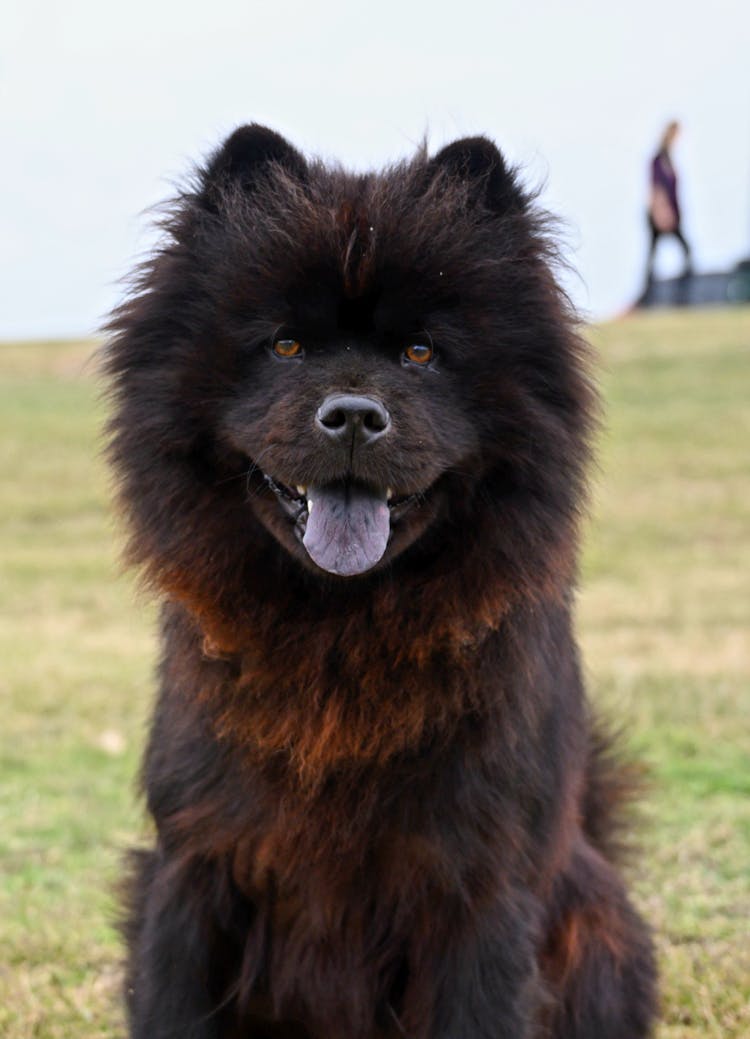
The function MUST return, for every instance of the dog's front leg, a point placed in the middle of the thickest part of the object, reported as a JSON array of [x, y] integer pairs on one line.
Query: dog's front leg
[[169, 964], [479, 977]]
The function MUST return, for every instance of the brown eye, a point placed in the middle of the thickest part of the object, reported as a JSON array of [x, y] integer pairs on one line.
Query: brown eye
[[418, 353], [287, 348]]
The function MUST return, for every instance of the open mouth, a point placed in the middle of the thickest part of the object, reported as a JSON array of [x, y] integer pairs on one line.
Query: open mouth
[[344, 526]]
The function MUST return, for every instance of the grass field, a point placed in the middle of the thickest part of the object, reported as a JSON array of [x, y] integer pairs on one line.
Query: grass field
[[664, 619]]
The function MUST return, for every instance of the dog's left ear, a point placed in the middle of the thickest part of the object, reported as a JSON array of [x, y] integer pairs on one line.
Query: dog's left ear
[[247, 155], [479, 161]]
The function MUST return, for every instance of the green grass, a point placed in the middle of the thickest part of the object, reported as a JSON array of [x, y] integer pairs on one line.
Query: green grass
[[664, 617]]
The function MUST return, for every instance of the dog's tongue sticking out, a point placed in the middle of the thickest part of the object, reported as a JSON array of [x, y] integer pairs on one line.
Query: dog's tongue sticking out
[[347, 528]]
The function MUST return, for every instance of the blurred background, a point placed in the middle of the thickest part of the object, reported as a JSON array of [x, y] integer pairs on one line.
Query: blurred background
[[105, 108]]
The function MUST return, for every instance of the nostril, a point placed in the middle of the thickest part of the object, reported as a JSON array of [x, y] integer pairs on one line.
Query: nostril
[[375, 420], [335, 419]]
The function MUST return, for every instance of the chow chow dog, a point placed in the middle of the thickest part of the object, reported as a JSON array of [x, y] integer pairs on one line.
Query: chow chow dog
[[351, 423]]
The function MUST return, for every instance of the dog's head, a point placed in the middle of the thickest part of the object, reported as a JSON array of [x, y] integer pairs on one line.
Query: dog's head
[[367, 366]]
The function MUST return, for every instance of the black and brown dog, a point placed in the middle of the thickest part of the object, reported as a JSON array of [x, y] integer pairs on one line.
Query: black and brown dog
[[351, 427]]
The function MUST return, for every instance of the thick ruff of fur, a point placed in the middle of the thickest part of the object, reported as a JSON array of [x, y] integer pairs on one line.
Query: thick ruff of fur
[[382, 808]]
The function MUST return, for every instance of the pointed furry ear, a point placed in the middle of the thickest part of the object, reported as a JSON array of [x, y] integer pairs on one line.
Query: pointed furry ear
[[479, 161], [247, 152]]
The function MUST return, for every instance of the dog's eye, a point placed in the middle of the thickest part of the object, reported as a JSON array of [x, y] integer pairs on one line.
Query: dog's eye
[[287, 348], [418, 353]]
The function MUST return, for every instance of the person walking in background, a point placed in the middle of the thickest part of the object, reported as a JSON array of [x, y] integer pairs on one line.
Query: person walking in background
[[663, 207]]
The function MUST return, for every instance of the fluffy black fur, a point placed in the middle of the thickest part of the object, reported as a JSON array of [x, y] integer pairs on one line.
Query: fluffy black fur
[[382, 808]]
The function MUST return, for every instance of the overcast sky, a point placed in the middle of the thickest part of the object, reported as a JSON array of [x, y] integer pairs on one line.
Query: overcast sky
[[103, 108]]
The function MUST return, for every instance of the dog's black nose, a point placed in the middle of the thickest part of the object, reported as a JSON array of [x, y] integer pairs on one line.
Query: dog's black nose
[[350, 418]]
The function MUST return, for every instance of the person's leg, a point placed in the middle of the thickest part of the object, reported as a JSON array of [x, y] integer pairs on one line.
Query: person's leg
[[654, 233], [688, 269]]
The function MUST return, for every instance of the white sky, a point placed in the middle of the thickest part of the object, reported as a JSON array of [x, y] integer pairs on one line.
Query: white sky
[[103, 107]]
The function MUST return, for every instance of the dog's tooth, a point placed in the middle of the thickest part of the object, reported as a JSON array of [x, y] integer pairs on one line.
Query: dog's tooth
[[301, 490], [389, 494], [309, 505]]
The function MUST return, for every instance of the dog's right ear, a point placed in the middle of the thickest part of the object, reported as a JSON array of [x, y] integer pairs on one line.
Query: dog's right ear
[[479, 163], [245, 156]]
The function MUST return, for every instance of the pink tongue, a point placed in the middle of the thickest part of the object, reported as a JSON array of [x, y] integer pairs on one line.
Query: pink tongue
[[347, 529]]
